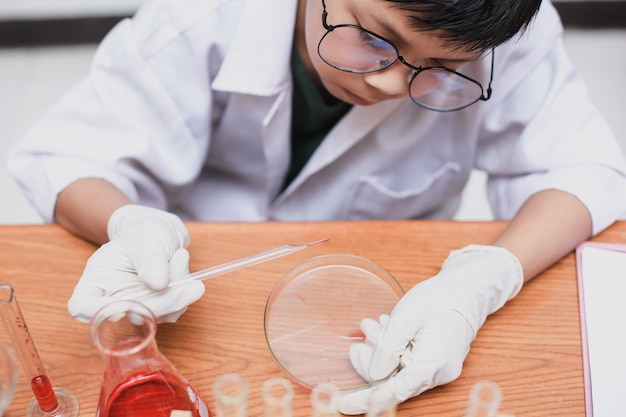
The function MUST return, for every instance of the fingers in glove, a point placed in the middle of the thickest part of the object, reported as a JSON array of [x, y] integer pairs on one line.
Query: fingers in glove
[[179, 264], [434, 357], [99, 285], [353, 403], [361, 353], [407, 383], [170, 304], [361, 358], [150, 254], [157, 271], [85, 306], [371, 328], [171, 317], [154, 272], [393, 341], [167, 306], [375, 398], [382, 402]]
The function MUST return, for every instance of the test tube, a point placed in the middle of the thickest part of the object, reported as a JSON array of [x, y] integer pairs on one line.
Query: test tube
[[382, 402], [48, 400], [231, 393], [324, 400], [484, 400], [277, 397], [8, 376]]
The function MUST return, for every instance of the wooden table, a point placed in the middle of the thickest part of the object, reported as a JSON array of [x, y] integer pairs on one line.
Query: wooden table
[[531, 347]]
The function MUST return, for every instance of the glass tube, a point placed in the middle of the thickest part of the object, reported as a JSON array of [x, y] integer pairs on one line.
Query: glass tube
[[277, 397], [484, 400], [48, 400], [231, 392], [324, 401], [8, 376]]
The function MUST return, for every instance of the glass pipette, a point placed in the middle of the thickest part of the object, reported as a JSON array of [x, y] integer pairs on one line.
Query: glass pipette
[[247, 261], [240, 263]]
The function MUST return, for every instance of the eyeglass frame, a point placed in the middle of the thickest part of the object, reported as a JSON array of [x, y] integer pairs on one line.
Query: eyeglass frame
[[417, 70]]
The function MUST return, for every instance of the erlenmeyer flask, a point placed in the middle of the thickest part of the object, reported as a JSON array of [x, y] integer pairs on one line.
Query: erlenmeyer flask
[[138, 380]]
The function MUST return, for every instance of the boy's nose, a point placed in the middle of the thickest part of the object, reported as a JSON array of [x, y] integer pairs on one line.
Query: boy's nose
[[393, 81]]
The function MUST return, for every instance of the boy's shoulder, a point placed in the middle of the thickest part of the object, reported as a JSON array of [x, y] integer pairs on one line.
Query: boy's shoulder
[[160, 24]]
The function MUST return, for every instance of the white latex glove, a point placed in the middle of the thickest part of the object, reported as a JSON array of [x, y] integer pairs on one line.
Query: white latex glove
[[428, 334], [146, 248]]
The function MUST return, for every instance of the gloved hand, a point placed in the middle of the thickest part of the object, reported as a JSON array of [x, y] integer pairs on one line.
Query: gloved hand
[[146, 248], [425, 340]]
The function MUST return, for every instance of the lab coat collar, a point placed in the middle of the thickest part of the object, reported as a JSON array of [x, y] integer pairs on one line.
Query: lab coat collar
[[358, 123], [264, 35]]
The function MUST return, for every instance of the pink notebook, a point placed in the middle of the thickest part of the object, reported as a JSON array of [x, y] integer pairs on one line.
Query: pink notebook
[[601, 270]]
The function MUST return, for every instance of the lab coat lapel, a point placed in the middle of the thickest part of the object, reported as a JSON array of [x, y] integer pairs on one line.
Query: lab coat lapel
[[257, 65], [351, 129]]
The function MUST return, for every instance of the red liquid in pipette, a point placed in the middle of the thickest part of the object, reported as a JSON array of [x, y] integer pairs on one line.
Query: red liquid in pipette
[[44, 393], [151, 395]]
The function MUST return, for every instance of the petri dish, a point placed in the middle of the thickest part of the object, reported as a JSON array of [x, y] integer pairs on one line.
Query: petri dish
[[313, 316]]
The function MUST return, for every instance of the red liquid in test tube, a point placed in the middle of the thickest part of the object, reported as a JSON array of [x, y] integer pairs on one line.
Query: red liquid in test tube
[[44, 393], [48, 400]]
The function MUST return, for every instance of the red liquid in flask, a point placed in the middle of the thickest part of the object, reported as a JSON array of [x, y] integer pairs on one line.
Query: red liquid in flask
[[44, 393], [153, 395]]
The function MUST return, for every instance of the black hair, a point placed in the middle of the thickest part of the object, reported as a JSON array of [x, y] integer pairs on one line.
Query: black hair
[[474, 25]]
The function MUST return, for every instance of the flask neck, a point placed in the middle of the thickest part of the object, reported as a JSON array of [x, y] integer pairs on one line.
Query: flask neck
[[132, 355]]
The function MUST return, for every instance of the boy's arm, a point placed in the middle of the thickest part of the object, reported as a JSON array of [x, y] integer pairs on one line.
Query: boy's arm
[[146, 248], [424, 341], [548, 226], [85, 206]]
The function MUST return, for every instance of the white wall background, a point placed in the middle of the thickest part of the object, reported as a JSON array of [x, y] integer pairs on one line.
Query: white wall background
[[37, 9]]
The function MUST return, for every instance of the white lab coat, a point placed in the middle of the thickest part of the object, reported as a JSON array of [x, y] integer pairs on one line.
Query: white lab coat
[[187, 108]]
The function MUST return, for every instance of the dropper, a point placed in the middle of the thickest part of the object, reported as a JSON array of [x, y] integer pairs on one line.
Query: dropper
[[236, 264], [247, 261]]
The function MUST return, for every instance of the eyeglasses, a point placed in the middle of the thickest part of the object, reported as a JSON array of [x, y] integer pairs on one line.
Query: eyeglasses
[[352, 48]]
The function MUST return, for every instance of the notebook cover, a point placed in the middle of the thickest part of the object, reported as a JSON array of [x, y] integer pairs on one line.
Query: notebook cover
[[583, 322]]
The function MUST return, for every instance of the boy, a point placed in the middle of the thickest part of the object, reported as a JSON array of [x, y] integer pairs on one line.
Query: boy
[[329, 109]]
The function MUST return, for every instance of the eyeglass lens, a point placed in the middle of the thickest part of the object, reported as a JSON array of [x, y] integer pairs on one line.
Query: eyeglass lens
[[354, 49], [443, 90]]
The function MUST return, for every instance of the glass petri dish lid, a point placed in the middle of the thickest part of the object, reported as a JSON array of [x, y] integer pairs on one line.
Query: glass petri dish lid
[[313, 316]]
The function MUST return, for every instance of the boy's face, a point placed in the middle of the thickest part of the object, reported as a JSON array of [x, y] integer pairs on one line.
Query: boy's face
[[420, 49]]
